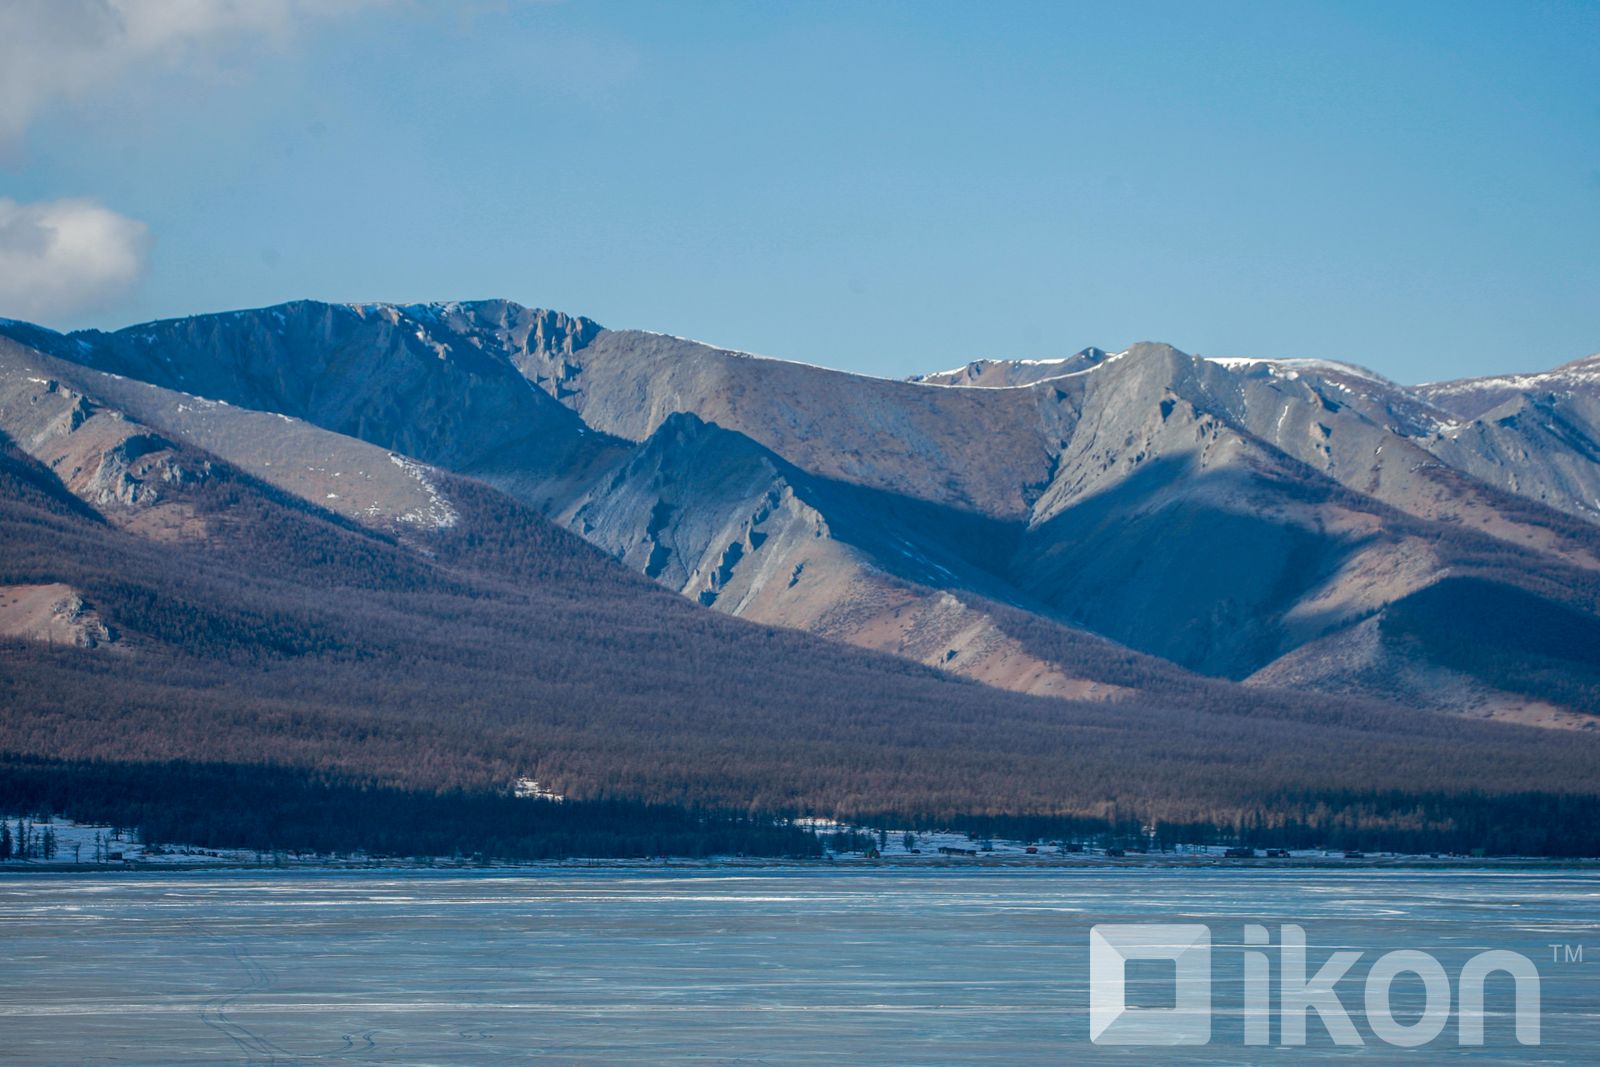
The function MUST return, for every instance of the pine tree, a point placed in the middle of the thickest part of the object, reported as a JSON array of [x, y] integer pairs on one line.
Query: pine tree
[[5, 842]]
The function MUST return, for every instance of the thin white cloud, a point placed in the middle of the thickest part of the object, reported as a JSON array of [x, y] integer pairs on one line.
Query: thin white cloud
[[62, 257], [54, 50]]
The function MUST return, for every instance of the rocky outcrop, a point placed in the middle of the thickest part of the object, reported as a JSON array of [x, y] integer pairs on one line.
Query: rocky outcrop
[[110, 461], [54, 614], [128, 449]]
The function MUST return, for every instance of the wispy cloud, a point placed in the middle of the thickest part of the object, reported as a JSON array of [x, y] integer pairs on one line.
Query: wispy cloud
[[53, 50], [61, 257]]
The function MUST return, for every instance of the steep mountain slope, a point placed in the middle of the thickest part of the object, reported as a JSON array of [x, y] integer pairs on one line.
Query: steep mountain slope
[[983, 451], [1379, 439], [732, 526], [1225, 513], [399, 377], [1541, 445], [84, 426], [496, 642], [498, 647], [1467, 645], [1001, 522], [1531, 435], [703, 510]]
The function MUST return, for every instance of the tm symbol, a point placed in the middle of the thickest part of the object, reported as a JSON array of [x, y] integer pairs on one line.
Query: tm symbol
[[1566, 953]]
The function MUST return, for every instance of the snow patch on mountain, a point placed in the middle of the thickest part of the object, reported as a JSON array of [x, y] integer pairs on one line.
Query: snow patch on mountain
[[1016, 373], [1584, 372], [977, 363], [438, 515], [1293, 368]]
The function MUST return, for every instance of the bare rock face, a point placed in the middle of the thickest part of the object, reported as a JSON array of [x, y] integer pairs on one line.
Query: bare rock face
[[52, 613], [96, 432], [432, 381], [107, 460], [702, 509], [736, 528]]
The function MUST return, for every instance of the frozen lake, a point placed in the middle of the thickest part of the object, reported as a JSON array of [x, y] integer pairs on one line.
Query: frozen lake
[[871, 967]]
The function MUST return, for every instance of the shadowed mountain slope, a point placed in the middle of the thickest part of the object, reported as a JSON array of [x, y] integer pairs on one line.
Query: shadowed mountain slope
[[1215, 516], [703, 510], [499, 647]]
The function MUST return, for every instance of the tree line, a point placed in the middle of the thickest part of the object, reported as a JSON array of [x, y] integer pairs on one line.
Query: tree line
[[273, 809]]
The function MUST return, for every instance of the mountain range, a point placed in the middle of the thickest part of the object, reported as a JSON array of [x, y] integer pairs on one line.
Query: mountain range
[[1095, 555]]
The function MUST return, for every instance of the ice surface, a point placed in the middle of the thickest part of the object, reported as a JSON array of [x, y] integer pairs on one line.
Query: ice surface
[[867, 967]]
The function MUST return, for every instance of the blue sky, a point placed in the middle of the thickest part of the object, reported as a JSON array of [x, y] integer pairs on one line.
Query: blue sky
[[879, 187]]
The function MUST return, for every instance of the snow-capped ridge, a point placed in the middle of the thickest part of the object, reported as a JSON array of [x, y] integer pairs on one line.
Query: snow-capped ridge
[[1585, 370], [1013, 373], [1296, 366]]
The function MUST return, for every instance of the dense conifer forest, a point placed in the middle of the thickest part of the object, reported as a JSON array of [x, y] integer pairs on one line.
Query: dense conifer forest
[[274, 809], [286, 680]]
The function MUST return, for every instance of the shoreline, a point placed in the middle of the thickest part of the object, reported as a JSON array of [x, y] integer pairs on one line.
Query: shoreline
[[1198, 864]]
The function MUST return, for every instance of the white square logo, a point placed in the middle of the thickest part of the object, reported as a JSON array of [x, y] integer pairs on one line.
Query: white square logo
[[1112, 1021]]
